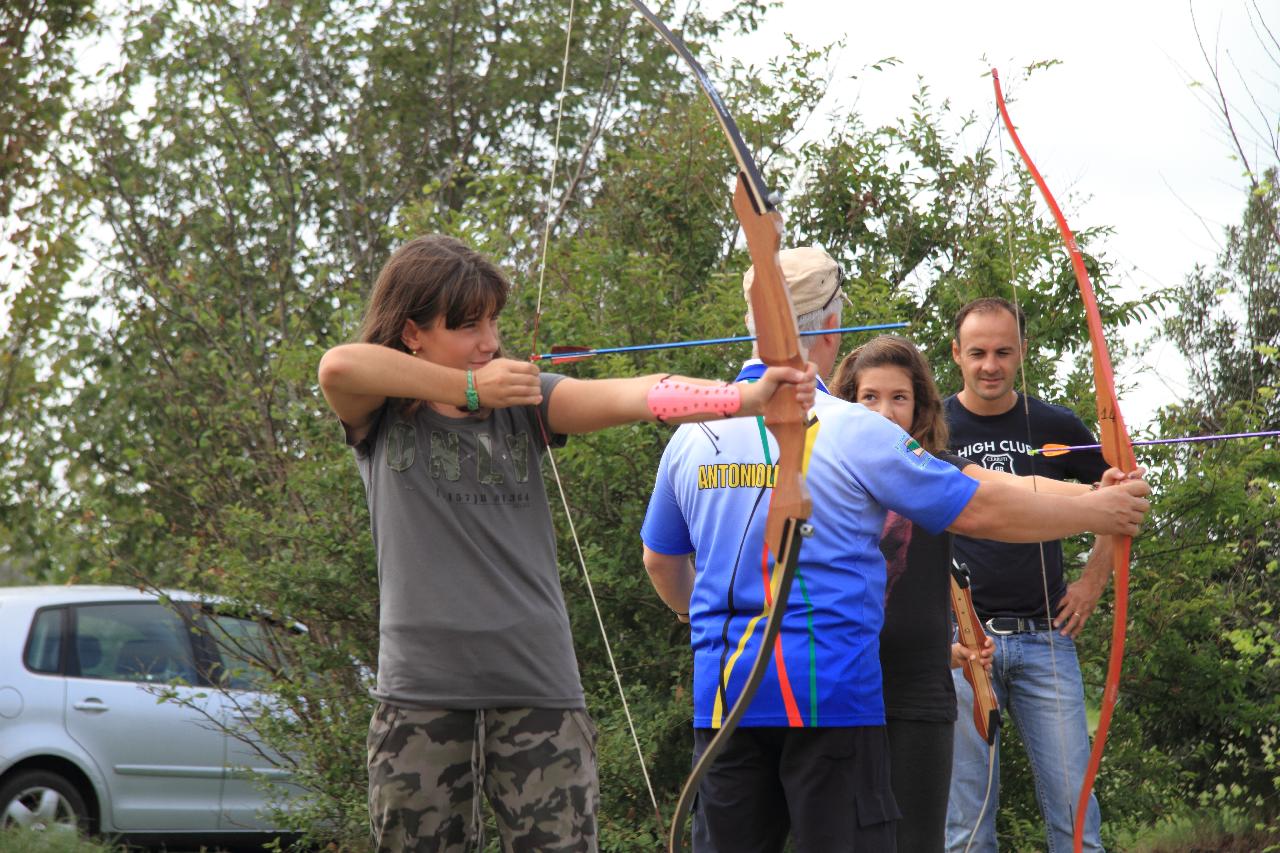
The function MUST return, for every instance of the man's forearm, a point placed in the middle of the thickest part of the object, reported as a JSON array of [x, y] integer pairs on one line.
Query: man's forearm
[[1097, 569], [1009, 514], [672, 578]]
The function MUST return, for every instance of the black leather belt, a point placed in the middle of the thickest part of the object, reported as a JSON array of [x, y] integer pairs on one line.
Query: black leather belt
[[1016, 625]]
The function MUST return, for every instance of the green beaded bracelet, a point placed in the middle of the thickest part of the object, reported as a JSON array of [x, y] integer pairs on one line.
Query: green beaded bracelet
[[473, 399]]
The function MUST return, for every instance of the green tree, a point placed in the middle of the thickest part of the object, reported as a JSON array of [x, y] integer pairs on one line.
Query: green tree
[[39, 214], [1210, 565], [1200, 738]]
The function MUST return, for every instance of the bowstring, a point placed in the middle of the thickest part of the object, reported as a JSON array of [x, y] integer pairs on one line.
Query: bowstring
[[551, 176], [986, 798], [1026, 411], [555, 468]]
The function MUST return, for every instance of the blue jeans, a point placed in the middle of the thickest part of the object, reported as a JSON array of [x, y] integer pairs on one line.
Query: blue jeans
[[1053, 726]]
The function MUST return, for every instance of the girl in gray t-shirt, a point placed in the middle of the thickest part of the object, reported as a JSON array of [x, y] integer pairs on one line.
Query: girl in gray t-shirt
[[475, 652]]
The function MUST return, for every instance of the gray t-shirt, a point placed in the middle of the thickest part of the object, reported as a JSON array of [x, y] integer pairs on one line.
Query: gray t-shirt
[[471, 611]]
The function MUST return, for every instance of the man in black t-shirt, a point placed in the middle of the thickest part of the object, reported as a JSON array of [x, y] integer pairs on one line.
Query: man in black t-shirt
[[1019, 590]]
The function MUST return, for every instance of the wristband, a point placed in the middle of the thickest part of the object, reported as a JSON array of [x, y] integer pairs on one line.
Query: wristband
[[669, 399], [473, 399]]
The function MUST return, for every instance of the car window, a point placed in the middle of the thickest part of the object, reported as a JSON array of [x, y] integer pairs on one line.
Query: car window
[[133, 642], [44, 643], [244, 650]]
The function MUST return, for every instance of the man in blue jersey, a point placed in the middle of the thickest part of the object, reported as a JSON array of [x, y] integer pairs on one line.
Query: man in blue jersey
[[810, 756]]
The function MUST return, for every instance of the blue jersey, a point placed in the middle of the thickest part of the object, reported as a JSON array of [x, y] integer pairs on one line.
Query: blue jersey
[[711, 498]]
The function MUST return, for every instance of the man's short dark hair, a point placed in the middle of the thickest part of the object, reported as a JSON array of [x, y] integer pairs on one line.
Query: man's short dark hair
[[990, 305]]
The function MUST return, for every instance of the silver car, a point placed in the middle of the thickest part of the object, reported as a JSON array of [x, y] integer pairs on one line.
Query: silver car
[[110, 720]]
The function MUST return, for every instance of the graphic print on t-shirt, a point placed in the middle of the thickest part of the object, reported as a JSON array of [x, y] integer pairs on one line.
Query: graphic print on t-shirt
[[913, 452], [1015, 579], [996, 462], [737, 475], [401, 446], [464, 466]]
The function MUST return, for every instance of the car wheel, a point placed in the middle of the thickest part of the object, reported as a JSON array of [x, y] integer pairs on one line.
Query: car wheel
[[40, 800]]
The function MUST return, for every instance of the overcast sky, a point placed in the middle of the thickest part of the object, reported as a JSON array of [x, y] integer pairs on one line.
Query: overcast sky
[[1118, 133]]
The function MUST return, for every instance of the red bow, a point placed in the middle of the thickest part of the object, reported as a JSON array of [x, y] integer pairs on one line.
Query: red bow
[[1116, 449]]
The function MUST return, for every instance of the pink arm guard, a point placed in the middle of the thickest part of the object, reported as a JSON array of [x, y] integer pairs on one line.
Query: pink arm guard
[[669, 399]]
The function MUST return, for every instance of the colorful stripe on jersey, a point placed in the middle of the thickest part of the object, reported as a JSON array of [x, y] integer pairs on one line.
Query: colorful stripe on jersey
[[771, 581], [810, 437]]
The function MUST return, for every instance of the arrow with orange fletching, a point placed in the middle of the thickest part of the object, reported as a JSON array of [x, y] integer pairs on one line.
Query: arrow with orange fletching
[[566, 353], [1061, 449]]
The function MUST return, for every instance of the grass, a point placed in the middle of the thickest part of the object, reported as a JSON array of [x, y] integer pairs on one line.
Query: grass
[[26, 841], [1225, 831]]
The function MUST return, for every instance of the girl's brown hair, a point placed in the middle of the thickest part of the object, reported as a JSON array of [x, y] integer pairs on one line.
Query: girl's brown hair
[[928, 424], [430, 277]]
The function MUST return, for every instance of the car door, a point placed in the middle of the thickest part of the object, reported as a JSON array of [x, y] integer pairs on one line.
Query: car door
[[134, 703], [257, 777]]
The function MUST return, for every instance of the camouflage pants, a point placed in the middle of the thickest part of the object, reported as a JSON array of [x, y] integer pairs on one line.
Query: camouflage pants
[[537, 768]]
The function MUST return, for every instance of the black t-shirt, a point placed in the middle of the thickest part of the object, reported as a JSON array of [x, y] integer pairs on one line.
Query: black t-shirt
[[915, 642], [1007, 578]]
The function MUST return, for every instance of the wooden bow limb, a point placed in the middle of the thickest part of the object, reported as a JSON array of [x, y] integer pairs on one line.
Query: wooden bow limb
[[986, 708], [778, 344]]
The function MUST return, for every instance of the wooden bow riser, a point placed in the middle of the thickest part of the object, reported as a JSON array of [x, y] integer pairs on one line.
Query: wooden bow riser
[[778, 343], [986, 709]]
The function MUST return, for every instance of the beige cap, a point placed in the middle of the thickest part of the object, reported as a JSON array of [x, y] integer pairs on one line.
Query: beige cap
[[811, 273]]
